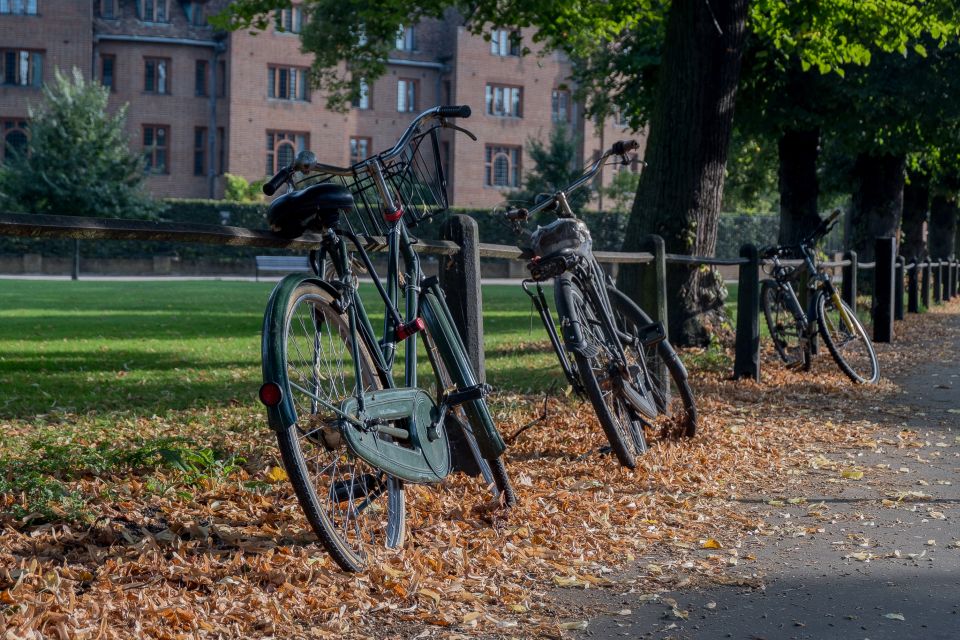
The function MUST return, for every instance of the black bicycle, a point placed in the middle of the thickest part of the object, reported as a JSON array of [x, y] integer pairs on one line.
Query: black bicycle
[[793, 331], [612, 352]]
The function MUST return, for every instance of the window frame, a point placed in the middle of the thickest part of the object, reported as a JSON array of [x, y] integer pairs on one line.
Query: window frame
[[406, 38], [34, 76], [355, 148], [112, 57], [112, 14], [514, 156], [364, 102], [201, 81], [167, 84], [292, 15], [555, 96], [508, 40], [200, 150], [275, 80], [155, 11], [25, 5], [409, 95], [510, 94], [151, 152], [299, 140], [18, 125]]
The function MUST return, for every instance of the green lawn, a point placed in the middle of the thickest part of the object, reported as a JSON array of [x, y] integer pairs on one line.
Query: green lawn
[[157, 346]]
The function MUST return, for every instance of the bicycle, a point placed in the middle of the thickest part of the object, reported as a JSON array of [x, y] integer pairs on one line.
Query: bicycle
[[793, 331], [350, 437], [612, 353]]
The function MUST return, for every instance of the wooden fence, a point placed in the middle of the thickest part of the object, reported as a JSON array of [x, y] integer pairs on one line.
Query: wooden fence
[[936, 280]]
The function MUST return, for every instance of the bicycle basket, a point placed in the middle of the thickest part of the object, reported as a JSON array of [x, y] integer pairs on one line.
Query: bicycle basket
[[415, 175]]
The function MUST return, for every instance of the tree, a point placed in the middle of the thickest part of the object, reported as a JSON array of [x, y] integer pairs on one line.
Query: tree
[[554, 167], [77, 161]]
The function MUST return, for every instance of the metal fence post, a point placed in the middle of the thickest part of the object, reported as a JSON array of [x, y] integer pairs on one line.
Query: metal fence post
[[925, 285], [937, 280], [460, 281], [849, 289], [913, 290], [951, 279], [747, 362], [883, 288], [898, 288], [947, 279]]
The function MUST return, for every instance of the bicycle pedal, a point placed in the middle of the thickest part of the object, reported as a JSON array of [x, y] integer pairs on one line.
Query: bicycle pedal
[[652, 334], [468, 394]]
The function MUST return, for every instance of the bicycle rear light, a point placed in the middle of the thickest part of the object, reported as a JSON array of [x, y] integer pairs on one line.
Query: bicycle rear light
[[270, 394], [404, 331]]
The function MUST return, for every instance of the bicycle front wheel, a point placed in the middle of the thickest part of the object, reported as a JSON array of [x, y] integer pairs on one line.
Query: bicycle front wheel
[[785, 330], [846, 339], [597, 368], [353, 507], [667, 377]]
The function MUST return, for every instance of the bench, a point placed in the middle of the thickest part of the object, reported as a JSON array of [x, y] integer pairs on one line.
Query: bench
[[286, 264]]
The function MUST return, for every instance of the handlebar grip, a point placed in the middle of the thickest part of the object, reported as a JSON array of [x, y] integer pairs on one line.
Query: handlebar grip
[[454, 111], [623, 147], [515, 215], [833, 216], [270, 188]]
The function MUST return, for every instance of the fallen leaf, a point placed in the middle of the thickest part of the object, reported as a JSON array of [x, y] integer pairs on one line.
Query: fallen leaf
[[894, 616], [277, 474], [576, 625], [710, 543], [852, 474]]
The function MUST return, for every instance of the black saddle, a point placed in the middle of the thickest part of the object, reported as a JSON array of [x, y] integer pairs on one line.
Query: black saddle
[[316, 207]]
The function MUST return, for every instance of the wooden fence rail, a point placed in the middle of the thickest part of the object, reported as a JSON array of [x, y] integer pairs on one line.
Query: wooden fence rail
[[461, 252]]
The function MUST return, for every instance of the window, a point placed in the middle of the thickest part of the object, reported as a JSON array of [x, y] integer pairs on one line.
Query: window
[[282, 147], [15, 138], [221, 142], [405, 39], [363, 102], [620, 118], [107, 71], [195, 15], [560, 105], [504, 101], [359, 149], [406, 95], [200, 78], [21, 68], [155, 78], [19, 7], [290, 20], [502, 166], [154, 10], [287, 83], [108, 9], [221, 79], [200, 151], [156, 142], [504, 42]]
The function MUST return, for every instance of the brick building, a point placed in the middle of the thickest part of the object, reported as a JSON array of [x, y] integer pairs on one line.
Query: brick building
[[202, 103]]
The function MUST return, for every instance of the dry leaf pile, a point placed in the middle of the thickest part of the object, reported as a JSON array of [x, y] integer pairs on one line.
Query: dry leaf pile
[[231, 556]]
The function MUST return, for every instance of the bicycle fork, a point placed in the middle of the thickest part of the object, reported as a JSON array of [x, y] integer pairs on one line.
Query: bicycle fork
[[540, 303]]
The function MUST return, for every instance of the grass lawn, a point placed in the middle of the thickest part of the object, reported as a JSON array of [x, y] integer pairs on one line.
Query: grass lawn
[[150, 347]]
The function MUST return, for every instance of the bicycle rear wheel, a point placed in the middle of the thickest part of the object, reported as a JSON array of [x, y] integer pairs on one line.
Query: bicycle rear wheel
[[785, 330], [597, 367], [668, 378], [353, 507], [850, 346]]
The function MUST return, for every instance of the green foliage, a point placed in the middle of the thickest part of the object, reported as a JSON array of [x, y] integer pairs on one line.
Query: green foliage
[[554, 167], [77, 160], [751, 185], [621, 192], [237, 189]]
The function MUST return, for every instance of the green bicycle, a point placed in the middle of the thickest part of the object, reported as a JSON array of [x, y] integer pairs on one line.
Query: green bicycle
[[349, 434]]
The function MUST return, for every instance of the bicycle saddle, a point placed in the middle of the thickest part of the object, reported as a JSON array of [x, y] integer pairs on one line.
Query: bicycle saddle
[[318, 206]]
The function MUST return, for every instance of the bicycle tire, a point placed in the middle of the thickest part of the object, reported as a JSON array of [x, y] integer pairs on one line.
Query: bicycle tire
[[793, 350], [624, 432], [826, 323], [676, 419], [311, 323], [494, 472]]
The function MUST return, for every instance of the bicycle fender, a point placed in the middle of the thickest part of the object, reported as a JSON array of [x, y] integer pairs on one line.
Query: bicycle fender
[[569, 324], [283, 415]]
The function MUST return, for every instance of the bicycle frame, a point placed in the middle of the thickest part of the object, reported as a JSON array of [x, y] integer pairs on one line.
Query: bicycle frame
[[822, 281]]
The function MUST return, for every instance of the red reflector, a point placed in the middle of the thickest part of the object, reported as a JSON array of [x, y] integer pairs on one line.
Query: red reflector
[[404, 331], [270, 394], [396, 215]]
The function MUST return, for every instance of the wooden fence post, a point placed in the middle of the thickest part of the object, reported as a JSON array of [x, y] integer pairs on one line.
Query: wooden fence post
[[747, 362], [653, 281], [898, 288], [913, 290], [937, 279], [925, 284], [883, 287], [849, 289], [460, 281]]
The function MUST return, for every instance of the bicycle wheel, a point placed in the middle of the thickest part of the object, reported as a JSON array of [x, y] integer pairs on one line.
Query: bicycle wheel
[[353, 507], [852, 349], [667, 377], [465, 451], [623, 430], [785, 330]]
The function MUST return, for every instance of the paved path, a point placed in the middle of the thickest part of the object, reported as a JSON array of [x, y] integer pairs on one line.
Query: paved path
[[814, 586]]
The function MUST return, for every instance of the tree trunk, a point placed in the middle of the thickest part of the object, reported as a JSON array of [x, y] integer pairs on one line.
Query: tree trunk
[[943, 226], [916, 205], [877, 201], [681, 189], [799, 185]]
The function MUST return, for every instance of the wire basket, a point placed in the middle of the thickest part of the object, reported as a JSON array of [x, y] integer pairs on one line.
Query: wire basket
[[415, 176]]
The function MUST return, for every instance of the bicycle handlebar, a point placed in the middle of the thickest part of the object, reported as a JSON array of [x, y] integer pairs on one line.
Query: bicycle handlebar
[[822, 229], [440, 112]]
